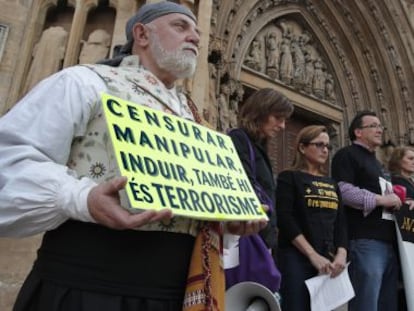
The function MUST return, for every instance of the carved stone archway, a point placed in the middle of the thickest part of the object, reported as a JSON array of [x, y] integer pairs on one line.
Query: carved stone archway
[[354, 46]]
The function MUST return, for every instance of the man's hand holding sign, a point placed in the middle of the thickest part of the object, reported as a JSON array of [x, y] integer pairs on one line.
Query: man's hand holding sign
[[173, 166], [104, 203]]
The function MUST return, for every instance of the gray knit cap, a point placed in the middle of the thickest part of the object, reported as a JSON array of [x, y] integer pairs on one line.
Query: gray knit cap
[[148, 12]]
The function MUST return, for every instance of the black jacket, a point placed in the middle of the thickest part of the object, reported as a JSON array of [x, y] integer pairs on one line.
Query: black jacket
[[264, 176]]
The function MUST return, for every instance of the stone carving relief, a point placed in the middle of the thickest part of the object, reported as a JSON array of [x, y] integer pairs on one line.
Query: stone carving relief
[[341, 54], [225, 93], [298, 57], [411, 12], [47, 54], [223, 106], [390, 49], [96, 47], [215, 71], [228, 100], [410, 134], [286, 60], [4, 31], [333, 131], [236, 96], [210, 112], [285, 52], [254, 57], [386, 137], [272, 55], [329, 88], [318, 81]]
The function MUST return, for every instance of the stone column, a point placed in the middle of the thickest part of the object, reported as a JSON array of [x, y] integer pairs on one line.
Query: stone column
[[200, 81], [78, 26], [34, 26], [124, 10]]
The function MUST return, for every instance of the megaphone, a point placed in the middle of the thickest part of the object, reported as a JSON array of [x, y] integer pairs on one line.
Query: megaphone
[[250, 296]]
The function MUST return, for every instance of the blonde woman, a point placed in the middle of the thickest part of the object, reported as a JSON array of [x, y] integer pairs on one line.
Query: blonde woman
[[401, 167], [311, 221]]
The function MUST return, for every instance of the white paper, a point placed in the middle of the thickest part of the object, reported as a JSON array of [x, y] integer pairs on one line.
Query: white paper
[[328, 293], [386, 188], [231, 251], [406, 250]]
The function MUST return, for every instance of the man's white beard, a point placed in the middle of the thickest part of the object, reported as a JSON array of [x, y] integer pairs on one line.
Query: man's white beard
[[181, 63]]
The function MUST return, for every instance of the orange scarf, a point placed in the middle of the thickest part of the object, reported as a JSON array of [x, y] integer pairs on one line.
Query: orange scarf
[[205, 282]]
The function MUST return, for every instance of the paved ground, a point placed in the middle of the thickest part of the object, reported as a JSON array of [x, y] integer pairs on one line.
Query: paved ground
[[343, 308]]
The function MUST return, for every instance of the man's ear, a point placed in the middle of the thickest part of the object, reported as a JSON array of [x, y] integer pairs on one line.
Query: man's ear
[[141, 34], [357, 132]]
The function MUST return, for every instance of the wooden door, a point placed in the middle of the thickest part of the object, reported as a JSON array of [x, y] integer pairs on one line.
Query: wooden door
[[281, 149]]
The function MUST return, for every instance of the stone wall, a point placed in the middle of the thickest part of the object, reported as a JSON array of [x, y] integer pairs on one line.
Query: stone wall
[[16, 258], [13, 15], [372, 62]]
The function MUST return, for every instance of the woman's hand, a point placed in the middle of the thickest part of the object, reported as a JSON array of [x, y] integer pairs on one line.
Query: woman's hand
[[339, 262], [321, 263], [410, 203]]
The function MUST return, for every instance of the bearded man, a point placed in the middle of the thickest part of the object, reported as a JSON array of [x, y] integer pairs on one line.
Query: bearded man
[[58, 175]]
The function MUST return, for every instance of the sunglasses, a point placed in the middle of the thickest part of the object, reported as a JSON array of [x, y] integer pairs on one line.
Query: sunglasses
[[320, 145]]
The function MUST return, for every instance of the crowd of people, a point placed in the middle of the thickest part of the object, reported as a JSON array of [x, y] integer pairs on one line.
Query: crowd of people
[[97, 255]]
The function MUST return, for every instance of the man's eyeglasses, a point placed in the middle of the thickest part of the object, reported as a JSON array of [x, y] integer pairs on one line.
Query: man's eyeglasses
[[373, 126], [320, 145]]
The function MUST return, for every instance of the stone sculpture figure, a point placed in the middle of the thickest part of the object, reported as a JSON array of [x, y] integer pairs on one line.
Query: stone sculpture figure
[[318, 83], [298, 64], [309, 72], [272, 55], [96, 48], [329, 88], [48, 55], [253, 59], [286, 61], [387, 136], [411, 134], [223, 107], [235, 98]]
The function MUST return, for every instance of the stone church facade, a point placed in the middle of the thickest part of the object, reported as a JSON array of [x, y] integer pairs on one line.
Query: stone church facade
[[332, 58]]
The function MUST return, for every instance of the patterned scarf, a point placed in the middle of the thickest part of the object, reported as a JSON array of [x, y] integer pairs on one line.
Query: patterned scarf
[[205, 282]]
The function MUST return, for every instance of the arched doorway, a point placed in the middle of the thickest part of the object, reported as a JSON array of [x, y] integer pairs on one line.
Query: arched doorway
[[331, 58]]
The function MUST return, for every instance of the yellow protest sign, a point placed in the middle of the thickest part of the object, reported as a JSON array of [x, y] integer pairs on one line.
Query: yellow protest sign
[[174, 163]]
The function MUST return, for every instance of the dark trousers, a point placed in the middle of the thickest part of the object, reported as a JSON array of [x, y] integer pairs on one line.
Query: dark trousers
[[295, 269]]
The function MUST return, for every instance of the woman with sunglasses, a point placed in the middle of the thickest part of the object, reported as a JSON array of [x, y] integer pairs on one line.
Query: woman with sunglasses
[[311, 221], [401, 167]]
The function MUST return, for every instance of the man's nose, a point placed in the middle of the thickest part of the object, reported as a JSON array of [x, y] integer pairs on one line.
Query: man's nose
[[282, 124], [194, 37]]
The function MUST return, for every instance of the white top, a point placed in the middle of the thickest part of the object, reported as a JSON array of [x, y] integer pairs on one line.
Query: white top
[[38, 192]]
